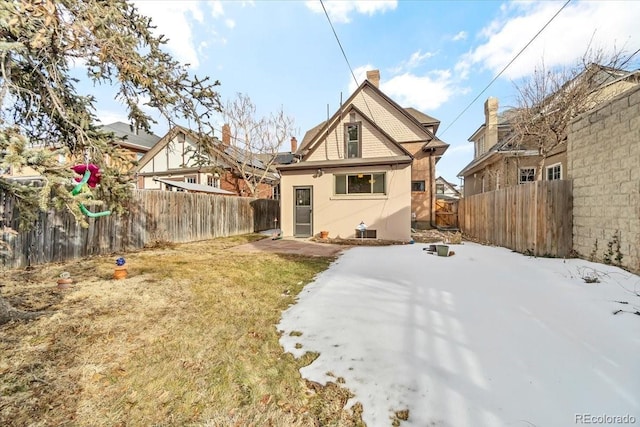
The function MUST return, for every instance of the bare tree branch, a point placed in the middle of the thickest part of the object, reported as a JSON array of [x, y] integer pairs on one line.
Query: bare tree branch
[[552, 97], [255, 140]]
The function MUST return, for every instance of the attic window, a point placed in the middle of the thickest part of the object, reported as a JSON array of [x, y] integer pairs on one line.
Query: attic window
[[352, 140]]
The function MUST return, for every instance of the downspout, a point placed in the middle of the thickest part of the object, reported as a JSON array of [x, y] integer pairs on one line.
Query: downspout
[[432, 185], [431, 192]]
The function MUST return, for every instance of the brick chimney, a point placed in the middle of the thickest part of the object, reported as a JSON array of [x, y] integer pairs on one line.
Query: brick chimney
[[226, 134], [490, 123], [374, 77], [294, 144]]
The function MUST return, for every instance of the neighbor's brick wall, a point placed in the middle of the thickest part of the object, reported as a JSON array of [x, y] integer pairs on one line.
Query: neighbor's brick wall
[[603, 159]]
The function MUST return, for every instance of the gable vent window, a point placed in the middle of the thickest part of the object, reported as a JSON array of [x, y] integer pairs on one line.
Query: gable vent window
[[362, 183], [352, 137]]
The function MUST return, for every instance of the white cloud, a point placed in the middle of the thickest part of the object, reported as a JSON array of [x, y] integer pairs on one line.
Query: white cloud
[[230, 23], [609, 25], [171, 19], [339, 10], [425, 92], [417, 58], [216, 8], [361, 75], [107, 117], [462, 35]]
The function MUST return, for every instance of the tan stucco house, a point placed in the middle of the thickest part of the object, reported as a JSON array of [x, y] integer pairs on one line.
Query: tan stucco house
[[372, 162], [503, 159]]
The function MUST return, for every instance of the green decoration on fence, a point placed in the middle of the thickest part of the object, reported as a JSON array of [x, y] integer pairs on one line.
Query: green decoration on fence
[[78, 188]]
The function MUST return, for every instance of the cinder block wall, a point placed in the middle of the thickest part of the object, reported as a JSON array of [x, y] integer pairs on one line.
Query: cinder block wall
[[603, 156]]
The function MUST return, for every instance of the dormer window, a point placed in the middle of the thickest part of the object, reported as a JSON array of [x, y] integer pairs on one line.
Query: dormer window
[[352, 137]]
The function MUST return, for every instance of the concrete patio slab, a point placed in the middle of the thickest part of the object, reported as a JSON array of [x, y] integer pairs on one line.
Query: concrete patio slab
[[295, 246]]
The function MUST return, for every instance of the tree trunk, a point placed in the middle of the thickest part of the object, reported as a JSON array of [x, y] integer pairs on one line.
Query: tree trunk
[[539, 174], [9, 313]]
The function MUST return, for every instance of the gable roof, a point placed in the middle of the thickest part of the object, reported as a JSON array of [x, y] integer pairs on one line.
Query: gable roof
[[452, 188], [223, 158], [219, 154], [126, 132], [505, 147], [423, 118], [432, 143], [602, 77], [315, 144], [309, 136]]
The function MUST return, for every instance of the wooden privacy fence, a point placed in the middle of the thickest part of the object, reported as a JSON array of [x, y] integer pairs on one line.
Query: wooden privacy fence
[[529, 218], [152, 216]]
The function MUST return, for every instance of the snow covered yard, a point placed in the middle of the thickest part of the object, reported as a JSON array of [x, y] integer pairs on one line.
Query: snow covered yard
[[487, 337]]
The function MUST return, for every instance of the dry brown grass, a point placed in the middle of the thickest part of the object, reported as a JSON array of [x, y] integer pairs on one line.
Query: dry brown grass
[[189, 338]]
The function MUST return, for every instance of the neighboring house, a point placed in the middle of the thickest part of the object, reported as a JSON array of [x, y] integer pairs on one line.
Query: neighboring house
[[281, 158], [372, 162], [135, 143], [175, 164], [446, 190], [501, 160]]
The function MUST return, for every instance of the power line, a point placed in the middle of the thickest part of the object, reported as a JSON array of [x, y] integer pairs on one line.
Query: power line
[[347, 61], [339, 44], [506, 66]]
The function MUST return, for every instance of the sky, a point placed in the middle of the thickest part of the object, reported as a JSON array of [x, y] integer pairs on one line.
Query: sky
[[436, 56], [488, 337]]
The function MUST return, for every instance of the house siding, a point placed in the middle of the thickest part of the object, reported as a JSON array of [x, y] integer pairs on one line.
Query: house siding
[[423, 202], [373, 142], [391, 120], [603, 159], [389, 215]]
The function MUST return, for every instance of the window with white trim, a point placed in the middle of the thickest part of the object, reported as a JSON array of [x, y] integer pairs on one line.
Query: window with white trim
[[213, 181], [361, 183], [190, 179], [554, 172], [526, 175], [352, 138]]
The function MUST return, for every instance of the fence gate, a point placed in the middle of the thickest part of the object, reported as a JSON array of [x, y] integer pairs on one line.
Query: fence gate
[[447, 213]]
